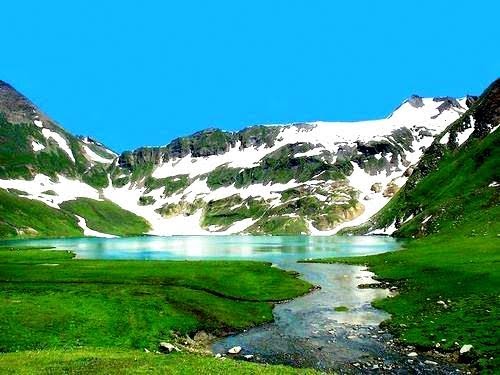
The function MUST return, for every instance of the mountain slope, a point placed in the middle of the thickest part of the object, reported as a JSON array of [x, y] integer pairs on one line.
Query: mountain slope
[[457, 179], [313, 178], [447, 279], [298, 178], [40, 161]]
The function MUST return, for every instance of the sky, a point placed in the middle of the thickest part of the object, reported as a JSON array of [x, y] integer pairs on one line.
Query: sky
[[139, 73]]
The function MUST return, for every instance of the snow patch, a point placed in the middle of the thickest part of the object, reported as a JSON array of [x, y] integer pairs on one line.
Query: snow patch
[[445, 138], [95, 157], [90, 232], [65, 189], [61, 141], [38, 123], [384, 231], [37, 146], [464, 135], [314, 152]]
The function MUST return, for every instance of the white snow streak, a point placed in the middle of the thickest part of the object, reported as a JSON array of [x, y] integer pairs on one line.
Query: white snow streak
[[61, 141], [37, 146], [90, 232], [95, 157]]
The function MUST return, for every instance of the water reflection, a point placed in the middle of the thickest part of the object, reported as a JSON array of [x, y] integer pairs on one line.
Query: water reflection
[[266, 248]]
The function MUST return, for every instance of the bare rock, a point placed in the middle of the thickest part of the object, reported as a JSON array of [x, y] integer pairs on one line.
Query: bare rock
[[166, 347], [376, 187], [234, 350]]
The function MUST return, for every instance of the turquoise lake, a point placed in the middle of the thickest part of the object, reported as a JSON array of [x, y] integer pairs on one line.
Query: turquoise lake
[[276, 249]]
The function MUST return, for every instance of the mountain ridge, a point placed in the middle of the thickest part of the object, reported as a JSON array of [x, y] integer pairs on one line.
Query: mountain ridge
[[298, 178]]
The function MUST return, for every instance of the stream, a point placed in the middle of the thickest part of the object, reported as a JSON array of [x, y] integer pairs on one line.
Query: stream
[[332, 328]]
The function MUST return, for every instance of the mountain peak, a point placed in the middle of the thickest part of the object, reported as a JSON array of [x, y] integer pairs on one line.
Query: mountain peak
[[15, 106], [416, 101]]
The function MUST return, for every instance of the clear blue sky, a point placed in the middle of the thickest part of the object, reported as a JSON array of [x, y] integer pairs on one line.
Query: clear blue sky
[[134, 73]]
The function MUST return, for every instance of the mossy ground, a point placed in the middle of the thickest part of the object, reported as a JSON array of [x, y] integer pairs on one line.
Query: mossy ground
[[90, 316]]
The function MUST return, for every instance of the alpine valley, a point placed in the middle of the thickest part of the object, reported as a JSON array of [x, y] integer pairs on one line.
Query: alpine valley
[[316, 178]]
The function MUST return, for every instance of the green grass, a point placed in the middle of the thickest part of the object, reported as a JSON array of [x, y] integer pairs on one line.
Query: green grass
[[463, 269], [48, 300], [107, 217], [227, 211], [450, 277], [23, 217], [171, 185], [279, 226], [127, 361], [341, 309]]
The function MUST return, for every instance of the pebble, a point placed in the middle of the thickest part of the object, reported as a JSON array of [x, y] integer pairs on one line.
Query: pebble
[[430, 363], [412, 354]]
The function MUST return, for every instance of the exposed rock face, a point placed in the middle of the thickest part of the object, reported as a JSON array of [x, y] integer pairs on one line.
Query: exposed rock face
[[16, 107], [201, 144], [472, 138], [286, 179], [390, 190], [416, 101]]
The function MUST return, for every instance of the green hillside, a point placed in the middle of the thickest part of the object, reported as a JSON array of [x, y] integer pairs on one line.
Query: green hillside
[[23, 217], [448, 279], [107, 217]]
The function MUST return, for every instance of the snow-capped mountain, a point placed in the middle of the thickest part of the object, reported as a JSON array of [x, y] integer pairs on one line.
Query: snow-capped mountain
[[314, 178]]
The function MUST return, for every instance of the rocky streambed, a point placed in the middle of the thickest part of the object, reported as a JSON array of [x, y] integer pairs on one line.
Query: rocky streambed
[[333, 328]]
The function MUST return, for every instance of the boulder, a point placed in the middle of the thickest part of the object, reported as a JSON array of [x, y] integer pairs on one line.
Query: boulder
[[166, 347], [467, 354], [466, 349], [408, 172], [376, 187], [234, 350], [390, 190]]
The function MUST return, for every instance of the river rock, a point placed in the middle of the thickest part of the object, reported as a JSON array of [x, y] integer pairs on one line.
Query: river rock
[[467, 354], [412, 354], [465, 349], [442, 303], [234, 350], [166, 347]]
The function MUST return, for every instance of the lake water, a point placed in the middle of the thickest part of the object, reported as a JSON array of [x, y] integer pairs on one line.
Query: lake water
[[308, 331], [274, 249]]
